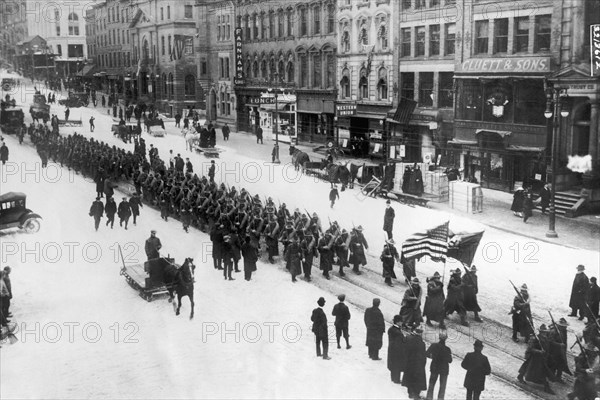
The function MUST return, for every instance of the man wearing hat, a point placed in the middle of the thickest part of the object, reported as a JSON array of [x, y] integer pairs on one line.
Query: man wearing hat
[[478, 367], [358, 244], [521, 314], [326, 254], [434, 302], [441, 357], [470, 291], [211, 171], [250, 258], [342, 316], [388, 219], [135, 203], [455, 300], [581, 285], [375, 328], [534, 367], [333, 195], [585, 385], [388, 257], [152, 246], [319, 328], [97, 211], [414, 378], [593, 298], [557, 349], [396, 358], [124, 212], [410, 310], [341, 250]]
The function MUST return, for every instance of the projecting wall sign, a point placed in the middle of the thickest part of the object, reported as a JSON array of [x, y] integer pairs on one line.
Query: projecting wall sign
[[504, 65]]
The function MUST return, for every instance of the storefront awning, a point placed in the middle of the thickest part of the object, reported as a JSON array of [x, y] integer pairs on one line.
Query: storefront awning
[[526, 148], [493, 77], [280, 106], [88, 70], [501, 133], [403, 113], [461, 142]]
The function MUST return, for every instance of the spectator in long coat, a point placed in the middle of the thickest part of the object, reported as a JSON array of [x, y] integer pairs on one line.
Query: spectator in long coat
[[250, 258], [416, 181], [441, 357], [375, 329], [388, 220], [434, 302], [388, 257], [396, 358], [216, 236], [4, 153], [135, 203], [545, 198], [406, 180], [593, 297], [110, 209], [319, 328], [517, 203], [470, 291], [124, 212], [97, 211], [6, 302], [455, 300], [342, 316], [527, 206], [579, 290], [414, 378], [478, 367]]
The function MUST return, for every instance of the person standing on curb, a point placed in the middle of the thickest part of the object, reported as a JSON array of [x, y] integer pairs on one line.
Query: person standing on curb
[[342, 316], [259, 134], [319, 328], [388, 219], [415, 378], [333, 195], [478, 367], [441, 357], [396, 361], [581, 284], [92, 126], [250, 258], [225, 130], [3, 153], [375, 329]]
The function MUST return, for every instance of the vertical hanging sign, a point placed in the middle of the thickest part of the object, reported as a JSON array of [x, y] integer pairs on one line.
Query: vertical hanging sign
[[239, 62], [595, 49]]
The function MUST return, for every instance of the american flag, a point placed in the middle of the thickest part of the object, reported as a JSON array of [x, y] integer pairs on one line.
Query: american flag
[[433, 243], [405, 109]]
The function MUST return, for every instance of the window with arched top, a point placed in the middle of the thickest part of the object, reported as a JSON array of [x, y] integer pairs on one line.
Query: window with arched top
[[363, 36], [171, 85], [73, 24], [281, 70], [363, 85], [255, 69], [290, 72], [145, 50], [272, 69], [189, 87], [345, 84], [263, 68], [382, 37], [248, 68], [382, 87], [346, 42], [164, 85]]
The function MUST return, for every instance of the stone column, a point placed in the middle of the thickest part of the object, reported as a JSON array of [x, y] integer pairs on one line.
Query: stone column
[[594, 134]]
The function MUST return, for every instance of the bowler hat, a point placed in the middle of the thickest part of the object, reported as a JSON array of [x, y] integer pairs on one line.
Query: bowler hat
[[321, 301], [478, 344], [580, 267]]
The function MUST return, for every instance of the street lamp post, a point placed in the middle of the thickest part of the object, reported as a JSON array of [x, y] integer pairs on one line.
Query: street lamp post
[[275, 115], [555, 99]]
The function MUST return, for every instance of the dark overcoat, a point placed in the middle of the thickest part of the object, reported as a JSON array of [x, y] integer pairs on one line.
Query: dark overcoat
[[478, 367], [375, 327]]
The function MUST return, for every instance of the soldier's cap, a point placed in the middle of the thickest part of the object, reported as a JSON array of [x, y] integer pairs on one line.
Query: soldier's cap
[[390, 241], [414, 280], [321, 301], [97, 198], [314, 215], [580, 267], [388, 202], [341, 297], [473, 268], [456, 271], [443, 336], [212, 161], [397, 319], [543, 328], [436, 275], [344, 231], [524, 287], [478, 344], [563, 322], [359, 228], [304, 216], [152, 231]]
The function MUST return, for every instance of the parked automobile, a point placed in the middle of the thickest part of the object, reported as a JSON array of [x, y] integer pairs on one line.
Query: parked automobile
[[15, 214]]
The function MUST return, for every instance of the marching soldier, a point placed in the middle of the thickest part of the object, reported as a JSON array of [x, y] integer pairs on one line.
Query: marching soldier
[[521, 314], [326, 254], [341, 250], [124, 212], [293, 256], [584, 387], [410, 311], [358, 244], [434, 302], [271, 235], [388, 257], [534, 368], [470, 290], [309, 252], [97, 211], [455, 300]]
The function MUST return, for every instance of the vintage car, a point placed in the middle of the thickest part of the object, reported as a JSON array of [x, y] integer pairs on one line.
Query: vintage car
[[15, 214], [39, 109], [11, 118], [75, 100]]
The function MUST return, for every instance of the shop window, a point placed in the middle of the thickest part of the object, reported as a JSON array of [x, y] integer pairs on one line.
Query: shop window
[[469, 101], [530, 102], [426, 89], [481, 37], [498, 101], [434, 40], [446, 92], [542, 32], [521, 35], [420, 41], [501, 35], [407, 81], [450, 39], [406, 42], [190, 85]]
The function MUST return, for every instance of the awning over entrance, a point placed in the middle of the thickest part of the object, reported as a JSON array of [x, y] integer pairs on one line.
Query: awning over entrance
[[526, 148], [501, 133], [280, 106], [403, 113]]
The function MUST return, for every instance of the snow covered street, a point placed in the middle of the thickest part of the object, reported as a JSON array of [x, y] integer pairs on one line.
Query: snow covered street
[[83, 332]]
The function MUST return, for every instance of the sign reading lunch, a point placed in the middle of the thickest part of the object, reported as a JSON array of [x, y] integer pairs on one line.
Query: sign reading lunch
[[507, 65]]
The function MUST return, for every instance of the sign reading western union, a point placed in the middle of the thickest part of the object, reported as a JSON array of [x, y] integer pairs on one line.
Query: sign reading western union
[[507, 65]]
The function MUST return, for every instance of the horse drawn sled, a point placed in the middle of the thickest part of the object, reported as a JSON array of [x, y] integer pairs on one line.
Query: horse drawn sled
[[127, 131], [161, 277], [196, 141], [155, 127]]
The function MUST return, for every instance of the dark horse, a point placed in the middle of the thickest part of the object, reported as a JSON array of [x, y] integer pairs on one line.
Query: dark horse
[[299, 158], [337, 173], [181, 280]]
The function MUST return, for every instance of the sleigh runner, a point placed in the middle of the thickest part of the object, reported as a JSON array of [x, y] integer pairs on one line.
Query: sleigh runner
[[147, 278]]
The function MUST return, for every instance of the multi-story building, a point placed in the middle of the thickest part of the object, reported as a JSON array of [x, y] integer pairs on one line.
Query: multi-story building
[[215, 59], [60, 23], [424, 66], [163, 59], [288, 48], [504, 62], [365, 68]]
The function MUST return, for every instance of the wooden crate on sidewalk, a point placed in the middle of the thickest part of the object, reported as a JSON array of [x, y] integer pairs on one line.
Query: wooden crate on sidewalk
[[466, 197]]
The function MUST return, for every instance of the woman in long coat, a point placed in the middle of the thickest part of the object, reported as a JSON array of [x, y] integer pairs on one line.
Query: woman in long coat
[[434, 302], [517, 204], [406, 180]]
